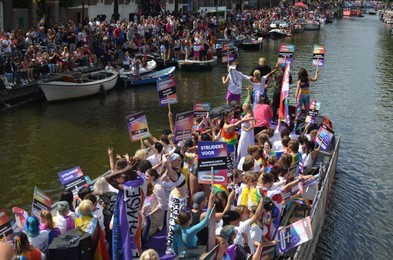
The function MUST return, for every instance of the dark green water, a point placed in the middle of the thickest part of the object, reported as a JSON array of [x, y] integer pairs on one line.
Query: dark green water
[[355, 88]]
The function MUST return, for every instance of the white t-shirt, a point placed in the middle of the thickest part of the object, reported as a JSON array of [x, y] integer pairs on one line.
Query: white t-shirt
[[40, 241], [235, 81], [256, 233], [245, 228]]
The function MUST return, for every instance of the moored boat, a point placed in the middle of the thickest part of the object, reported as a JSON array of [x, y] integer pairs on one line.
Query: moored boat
[[161, 63], [69, 87], [277, 34], [151, 65], [197, 65], [311, 26], [252, 44], [151, 78]]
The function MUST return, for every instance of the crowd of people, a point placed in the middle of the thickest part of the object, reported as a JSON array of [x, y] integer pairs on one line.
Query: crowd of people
[[28, 55], [157, 188]]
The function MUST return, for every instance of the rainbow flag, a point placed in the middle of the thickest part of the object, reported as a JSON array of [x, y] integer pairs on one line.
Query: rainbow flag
[[284, 102], [220, 187]]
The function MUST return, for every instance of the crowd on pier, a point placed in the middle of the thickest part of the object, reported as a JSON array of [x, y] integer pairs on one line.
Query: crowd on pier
[[28, 55]]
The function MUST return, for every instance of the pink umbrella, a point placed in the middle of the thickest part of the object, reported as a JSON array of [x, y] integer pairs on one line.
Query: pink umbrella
[[301, 4]]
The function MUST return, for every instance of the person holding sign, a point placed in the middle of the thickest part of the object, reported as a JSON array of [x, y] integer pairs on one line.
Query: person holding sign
[[178, 196], [302, 95], [127, 216]]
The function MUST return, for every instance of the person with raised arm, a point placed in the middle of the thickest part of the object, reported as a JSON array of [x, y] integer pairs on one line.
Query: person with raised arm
[[178, 196], [302, 95], [127, 217]]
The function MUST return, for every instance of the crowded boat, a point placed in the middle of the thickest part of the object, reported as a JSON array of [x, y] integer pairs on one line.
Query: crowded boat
[[239, 183]]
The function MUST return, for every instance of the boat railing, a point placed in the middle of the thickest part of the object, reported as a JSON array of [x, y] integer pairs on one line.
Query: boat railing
[[320, 205]]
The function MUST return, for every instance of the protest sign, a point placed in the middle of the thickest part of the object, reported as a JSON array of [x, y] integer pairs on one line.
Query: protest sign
[[295, 234], [183, 125], [228, 49], [285, 53], [212, 155], [72, 178], [40, 201], [167, 91], [313, 112], [324, 137], [137, 126], [201, 108], [318, 57], [5, 224]]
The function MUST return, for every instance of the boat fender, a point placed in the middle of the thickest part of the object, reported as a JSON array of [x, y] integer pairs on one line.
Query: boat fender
[[102, 90]]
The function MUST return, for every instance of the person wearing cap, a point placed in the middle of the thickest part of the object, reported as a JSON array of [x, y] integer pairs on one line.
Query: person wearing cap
[[198, 215], [178, 196], [63, 221], [186, 235], [235, 251]]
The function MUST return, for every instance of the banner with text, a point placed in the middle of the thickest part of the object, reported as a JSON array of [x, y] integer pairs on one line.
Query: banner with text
[[167, 91], [137, 126], [183, 125], [5, 225], [40, 201], [285, 53], [72, 178], [201, 108], [228, 52], [313, 111], [324, 137], [293, 235], [212, 154], [318, 57]]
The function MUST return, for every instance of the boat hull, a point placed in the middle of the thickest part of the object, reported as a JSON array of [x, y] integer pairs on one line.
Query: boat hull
[[191, 65], [151, 78], [311, 27], [60, 90], [151, 65], [318, 210]]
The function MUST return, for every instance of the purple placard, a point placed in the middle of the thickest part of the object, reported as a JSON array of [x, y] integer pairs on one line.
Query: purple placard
[[183, 125], [72, 178], [212, 154], [167, 91], [294, 235]]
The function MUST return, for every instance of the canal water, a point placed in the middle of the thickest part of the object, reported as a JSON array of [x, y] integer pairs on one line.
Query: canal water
[[355, 91]]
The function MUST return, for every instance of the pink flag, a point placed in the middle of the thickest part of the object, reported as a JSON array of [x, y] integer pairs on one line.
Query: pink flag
[[284, 112]]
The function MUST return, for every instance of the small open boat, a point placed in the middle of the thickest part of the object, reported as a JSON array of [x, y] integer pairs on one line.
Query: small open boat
[[161, 63], [252, 44], [311, 25], [197, 65], [151, 65], [277, 34], [152, 77], [69, 87]]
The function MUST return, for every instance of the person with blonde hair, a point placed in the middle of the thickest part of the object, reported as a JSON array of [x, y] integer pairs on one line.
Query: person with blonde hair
[[149, 254], [86, 222], [46, 223]]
